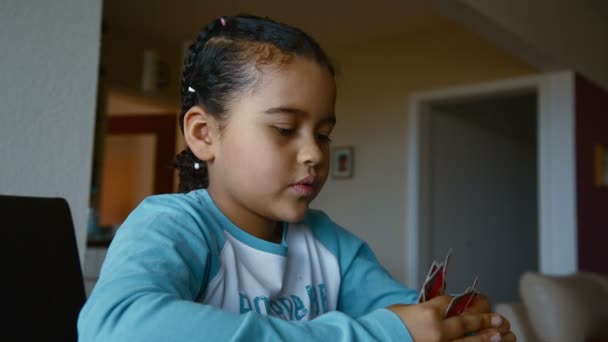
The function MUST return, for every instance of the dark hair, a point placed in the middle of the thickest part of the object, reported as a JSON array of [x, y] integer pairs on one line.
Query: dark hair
[[223, 62]]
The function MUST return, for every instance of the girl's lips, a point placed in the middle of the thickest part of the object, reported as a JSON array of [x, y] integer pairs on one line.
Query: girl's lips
[[305, 186], [309, 180], [304, 189]]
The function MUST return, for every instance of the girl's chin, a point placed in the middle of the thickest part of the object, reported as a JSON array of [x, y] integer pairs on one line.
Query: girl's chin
[[296, 215], [294, 218]]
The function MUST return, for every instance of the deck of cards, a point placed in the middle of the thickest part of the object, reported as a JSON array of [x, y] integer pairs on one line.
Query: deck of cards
[[435, 285]]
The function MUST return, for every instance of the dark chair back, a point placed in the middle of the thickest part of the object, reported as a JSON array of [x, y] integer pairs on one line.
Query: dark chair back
[[44, 287]]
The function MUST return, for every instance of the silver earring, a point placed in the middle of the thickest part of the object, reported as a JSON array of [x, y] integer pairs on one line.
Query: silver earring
[[197, 165]]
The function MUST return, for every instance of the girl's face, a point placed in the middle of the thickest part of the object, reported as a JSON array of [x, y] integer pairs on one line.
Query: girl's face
[[272, 157]]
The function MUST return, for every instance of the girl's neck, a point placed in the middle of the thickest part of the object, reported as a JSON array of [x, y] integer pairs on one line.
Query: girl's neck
[[245, 219]]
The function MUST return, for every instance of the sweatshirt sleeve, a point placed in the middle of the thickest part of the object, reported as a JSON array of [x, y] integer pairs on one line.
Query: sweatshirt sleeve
[[156, 268], [366, 286]]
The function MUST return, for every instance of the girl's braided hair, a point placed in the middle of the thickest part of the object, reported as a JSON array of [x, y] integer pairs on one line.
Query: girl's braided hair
[[222, 62]]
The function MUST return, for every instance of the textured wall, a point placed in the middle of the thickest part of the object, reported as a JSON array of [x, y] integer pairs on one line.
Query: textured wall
[[48, 62]]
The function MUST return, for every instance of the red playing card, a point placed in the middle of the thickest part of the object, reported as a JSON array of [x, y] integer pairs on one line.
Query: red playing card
[[432, 270], [435, 282], [436, 285], [445, 265], [424, 293], [460, 303]]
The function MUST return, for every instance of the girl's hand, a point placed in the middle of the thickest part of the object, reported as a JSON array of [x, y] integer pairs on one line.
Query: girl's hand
[[481, 304], [426, 323]]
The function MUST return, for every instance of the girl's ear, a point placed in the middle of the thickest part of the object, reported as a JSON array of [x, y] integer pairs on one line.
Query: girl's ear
[[200, 133]]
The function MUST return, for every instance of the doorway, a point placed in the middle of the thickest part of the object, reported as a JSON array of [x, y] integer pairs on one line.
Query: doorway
[[483, 190], [491, 174]]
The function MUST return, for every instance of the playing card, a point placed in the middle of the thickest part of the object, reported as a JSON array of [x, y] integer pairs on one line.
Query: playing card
[[441, 284], [435, 282], [445, 263], [422, 295], [434, 267], [461, 301]]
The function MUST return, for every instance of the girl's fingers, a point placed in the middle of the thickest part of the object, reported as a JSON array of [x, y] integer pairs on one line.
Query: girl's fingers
[[473, 326], [487, 336], [491, 335], [480, 304], [500, 324], [492, 331], [455, 327], [440, 302], [510, 337], [505, 327]]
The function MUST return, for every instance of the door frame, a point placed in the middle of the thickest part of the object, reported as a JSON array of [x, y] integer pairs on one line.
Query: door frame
[[556, 169], [163, 128]]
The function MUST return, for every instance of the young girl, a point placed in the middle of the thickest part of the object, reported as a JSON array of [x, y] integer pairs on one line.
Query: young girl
[[239, 255]]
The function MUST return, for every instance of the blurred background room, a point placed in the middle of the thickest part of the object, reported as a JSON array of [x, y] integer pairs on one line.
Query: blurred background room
[[476, 126]]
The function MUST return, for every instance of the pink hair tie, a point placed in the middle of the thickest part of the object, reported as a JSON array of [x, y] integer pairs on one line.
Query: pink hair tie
[[223, 22]]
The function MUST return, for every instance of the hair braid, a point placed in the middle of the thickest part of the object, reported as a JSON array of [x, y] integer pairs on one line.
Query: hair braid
[[190, 99], [191, 178]]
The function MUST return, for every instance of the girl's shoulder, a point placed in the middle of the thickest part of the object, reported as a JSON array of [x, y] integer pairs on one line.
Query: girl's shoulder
[[175, 203], [180, 219], [167, 211]]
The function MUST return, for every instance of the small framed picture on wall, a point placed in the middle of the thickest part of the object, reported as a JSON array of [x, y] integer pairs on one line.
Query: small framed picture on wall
[[601, 165], [342, 162]]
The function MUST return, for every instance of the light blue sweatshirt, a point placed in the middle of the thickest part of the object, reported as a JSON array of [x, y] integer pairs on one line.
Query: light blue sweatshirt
[[179, 270]]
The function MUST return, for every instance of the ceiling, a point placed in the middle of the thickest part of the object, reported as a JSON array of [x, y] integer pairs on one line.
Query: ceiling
[[332, 23]]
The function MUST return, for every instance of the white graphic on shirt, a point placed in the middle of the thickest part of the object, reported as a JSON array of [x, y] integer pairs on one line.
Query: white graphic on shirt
[[301, 286]]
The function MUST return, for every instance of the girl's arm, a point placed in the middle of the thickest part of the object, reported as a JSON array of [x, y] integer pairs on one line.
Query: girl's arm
[[158, 265], [365, 284]]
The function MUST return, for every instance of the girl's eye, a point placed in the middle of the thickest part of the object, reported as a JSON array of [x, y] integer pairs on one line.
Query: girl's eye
[[285, 131], [323, 138]]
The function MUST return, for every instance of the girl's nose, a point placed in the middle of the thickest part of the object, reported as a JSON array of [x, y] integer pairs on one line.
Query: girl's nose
[[310, 154]]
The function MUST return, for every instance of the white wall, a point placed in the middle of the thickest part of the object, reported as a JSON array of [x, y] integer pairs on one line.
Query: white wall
[[374, 82], [48, 63]]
